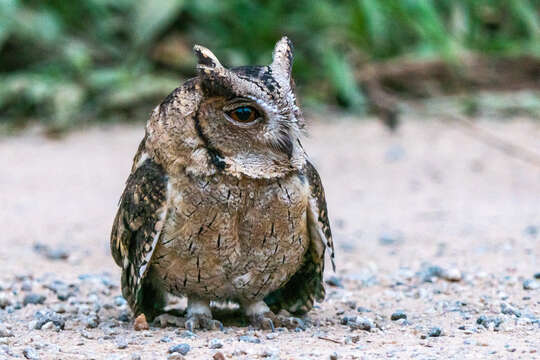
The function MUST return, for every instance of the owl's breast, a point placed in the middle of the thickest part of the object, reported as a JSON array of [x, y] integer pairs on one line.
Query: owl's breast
[[227, 238]]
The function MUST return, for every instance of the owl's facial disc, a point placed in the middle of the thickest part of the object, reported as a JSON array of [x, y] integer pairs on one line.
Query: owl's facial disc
[[251, 110]]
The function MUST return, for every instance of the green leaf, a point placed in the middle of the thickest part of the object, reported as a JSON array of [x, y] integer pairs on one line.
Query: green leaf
[[150, 17], [8, 9], [39, 26], [343, 79], [137, 90]]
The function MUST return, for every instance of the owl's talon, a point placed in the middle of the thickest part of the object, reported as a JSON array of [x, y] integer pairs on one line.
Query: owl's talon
[[203, 322], [263, 321], [292, 322], [192, 324], [199, 316], [167, 319], [210, 324], [289, 322], [268, 321]]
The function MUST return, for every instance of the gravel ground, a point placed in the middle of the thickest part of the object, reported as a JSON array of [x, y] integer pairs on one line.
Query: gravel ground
[[438, 247]]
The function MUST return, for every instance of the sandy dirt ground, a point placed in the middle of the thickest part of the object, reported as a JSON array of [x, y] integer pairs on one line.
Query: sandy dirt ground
[[429, 223]]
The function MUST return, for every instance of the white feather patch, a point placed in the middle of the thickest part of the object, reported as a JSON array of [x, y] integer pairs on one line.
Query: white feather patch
[[142, 159]]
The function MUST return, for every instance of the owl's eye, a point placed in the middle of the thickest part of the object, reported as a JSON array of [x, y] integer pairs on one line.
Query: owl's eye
[[244, 114]]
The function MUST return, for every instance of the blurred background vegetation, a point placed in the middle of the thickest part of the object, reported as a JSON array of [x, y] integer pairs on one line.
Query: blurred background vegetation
[[67, 63]]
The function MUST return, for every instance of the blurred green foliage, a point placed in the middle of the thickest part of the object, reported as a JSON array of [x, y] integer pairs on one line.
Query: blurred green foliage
[[69, 62]]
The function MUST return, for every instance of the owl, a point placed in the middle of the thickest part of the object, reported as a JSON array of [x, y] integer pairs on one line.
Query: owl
[[222, 204]]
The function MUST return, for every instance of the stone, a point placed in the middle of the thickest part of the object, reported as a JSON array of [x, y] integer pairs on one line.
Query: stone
[[4, 301], [44, 317], [30, 354], [250, 339], [5, 332], [400, 314], [218, 356], [452, 274], [435, 332], [175, 356], [92, 321], [530, 284], [180, 348], [32, 298], [215, 344], [121, 343], [334, 281]]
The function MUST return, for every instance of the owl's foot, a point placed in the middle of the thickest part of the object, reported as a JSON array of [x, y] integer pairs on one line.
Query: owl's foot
[[261, 317], [199, 316], [167, 319], [286, 320]]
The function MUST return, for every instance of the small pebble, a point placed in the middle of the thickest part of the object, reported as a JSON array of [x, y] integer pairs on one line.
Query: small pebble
[[215, 344], [532, 231], [46, 319], [125, 316], [351, 304], [30, 354], [92, 321], [119, 301], [58, 253], [121, 343], [334, 356], [510, 310], [400, 314], [391, 238], [140, 323], [486, 322], [165, 339], [26, 286], [537, 275], [136, 356], [175, 356], [5, 332], [334, 281], [180, 348], [218, 356], [530, 284], [4, 301], [250, 339], [361, 324], [452, 275], [32, 298], [270, 352], [187, 334], [435, 332]]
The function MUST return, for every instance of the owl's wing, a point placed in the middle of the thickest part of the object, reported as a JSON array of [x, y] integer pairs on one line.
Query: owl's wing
[[306, 285], [137, 226]]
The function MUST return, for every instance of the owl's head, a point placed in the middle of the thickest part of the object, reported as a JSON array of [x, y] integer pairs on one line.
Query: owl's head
[[246, 119]]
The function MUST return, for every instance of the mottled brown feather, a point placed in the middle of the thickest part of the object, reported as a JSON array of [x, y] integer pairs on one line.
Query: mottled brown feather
[[298, 294], [137, 225]]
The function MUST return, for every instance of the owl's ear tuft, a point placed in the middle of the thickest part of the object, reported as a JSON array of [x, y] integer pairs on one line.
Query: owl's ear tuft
[[206, 59], [215, 79], [282, 58]]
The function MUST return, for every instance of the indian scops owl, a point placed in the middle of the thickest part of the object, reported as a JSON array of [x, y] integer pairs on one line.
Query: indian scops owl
[[222, 204]]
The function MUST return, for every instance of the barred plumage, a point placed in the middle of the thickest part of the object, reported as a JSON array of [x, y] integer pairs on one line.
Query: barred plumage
[[217, 209]]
